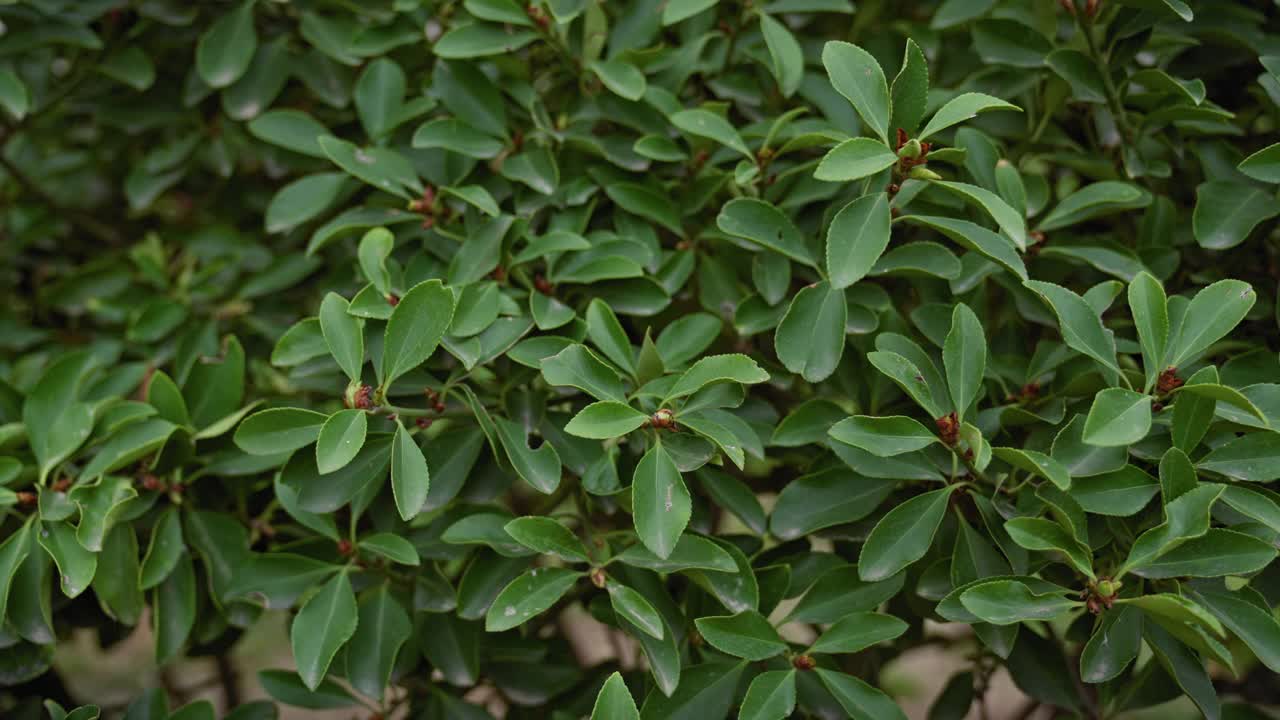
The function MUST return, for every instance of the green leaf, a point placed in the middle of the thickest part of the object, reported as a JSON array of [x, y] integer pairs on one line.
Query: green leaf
[[964, 355], [606, 333], [1080, 325], [715, 369], [973, 237], [647, 203], [883, 436], [856, 75], [547, 536], [576, 366], [174, 613], [1246, 615], [1212, 313], [704, 123], [303, 200], [910, 89], [811, 337], [13, 94], [13, 551], [382, 627], [379, 94], [839, 592], [858, 631], [532, 593], [764, 225], [680, 10], [660, 501], [1114, 644], [540, 468], [622, 78], [291, 129], [475, 196], [1254, 457], [961, 108], [1080, 72], [340, 439], [1216, 553], [380, 167], [323, 625], [614, 701], [1046, 535], [1037, 463], [859, 700], [225, 50], [1004, 602], [771, 696], [705, 691], [1010, 221], [857, 238], [907, 376], [76, 565], [746, 635], [1186, 669], [903, 535], [1118, 417], [415, 328], [826, 498], [1186, 517], [456, 136], [410, 477], [854, 159], [604, 420], [163, 552], [481, 40], [279, 430], [1227, 212], [1096, 200], [785, 53], [1151, 319], [1263, 165], [690, 553], [392, 547], [631, 605]]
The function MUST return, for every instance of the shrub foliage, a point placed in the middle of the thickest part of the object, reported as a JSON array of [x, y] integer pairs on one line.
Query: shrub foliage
[[657, 358]]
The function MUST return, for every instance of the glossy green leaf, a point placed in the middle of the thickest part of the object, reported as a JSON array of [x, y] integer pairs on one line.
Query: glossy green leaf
[[810, 339], [661, 502], [340, 439], [903, 535], [528, 595], [326, 621], [857, 238], [855, 159], [410, 476], [746, 635], [415, 328], [857, 76]]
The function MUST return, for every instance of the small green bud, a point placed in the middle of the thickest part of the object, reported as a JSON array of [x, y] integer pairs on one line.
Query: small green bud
[[923, 173], [911, 149], [1108, 588]]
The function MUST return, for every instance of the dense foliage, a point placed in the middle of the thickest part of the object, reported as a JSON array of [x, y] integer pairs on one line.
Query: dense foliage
[[755, 339]]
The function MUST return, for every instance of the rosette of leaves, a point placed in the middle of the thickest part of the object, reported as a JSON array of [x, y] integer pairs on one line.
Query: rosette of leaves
[[744, 338]]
